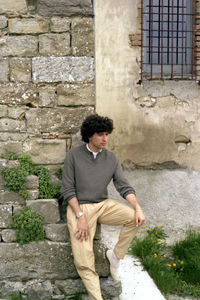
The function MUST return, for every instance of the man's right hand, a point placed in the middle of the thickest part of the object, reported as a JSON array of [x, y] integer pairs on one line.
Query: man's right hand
[[82, 231]]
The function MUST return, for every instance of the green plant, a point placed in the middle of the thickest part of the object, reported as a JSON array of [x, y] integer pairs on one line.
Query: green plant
[[10, 156], [169, 266], [46, 189], [58, 173], [15, 177], [15, 296], [28, 225], [188, 252]]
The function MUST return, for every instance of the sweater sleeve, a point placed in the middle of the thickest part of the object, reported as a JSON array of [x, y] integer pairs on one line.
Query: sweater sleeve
[[68, 179], [121, 183]]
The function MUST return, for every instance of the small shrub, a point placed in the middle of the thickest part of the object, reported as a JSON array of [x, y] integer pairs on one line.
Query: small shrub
[[28, 225], [10, 156], [15, 177], [175, 269], [46, 189], [15, 296], [188, 252], [58, 173]]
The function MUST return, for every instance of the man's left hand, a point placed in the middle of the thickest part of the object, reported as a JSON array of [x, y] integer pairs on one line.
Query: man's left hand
[[139, 218]]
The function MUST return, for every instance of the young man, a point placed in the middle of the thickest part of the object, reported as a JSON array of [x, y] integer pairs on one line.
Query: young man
[[88, 169]]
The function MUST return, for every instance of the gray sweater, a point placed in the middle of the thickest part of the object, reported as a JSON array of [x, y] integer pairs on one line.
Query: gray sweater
[[87, 178]]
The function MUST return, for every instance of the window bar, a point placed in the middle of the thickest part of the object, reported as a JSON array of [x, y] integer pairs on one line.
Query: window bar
[[151, 36], [193, 37], [142, 36], [172, 41], [177, 34], [162, 17], [159, 21], [168, 32], [183, 50]]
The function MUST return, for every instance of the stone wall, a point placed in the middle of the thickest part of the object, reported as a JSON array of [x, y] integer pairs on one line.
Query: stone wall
[[47, 75], [45, 269]]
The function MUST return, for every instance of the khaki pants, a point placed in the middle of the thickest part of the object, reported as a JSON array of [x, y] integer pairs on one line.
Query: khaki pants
[[107, 212]]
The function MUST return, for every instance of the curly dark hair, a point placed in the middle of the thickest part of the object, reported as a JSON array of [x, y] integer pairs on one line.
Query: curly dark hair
[[95, 124]]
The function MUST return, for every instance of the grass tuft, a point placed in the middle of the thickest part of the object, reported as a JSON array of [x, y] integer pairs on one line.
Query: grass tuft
[[175, 269]]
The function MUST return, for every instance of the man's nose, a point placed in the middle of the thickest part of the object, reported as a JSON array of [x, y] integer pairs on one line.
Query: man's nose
[[105, 137]]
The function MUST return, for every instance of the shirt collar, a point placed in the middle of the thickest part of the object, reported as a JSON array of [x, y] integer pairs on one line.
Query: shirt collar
[[94, 153]]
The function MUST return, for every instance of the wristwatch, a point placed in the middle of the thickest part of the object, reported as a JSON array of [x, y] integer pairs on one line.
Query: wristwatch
[[78, 215]]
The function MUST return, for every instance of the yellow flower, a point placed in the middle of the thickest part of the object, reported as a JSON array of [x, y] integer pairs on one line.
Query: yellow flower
[[174, 265], [152, 234], [159, 240], [155, 255], [144, 226], [169, 265], [181, 262]]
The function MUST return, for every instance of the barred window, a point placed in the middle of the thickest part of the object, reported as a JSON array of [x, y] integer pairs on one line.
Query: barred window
[[168, 39]]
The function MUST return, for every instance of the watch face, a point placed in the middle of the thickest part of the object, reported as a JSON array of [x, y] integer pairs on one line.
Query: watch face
[[79, 214]]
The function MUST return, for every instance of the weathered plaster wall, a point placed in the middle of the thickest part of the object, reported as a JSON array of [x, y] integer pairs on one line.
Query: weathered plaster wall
[[155, 122]]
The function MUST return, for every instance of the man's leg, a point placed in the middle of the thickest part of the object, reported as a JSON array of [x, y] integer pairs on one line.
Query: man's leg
[[116, 213], [83, 251]]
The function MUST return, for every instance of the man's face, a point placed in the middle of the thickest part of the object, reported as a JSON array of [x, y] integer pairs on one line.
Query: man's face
[[98, 141]]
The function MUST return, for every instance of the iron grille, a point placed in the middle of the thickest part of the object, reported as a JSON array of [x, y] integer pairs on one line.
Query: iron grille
[[168, 39]]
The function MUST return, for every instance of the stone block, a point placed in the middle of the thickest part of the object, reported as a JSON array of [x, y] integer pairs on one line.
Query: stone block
[[45, 261], [11, 125], [4, 70], [55, 180], [13, 163], [82, 37], [3, 22], [58, 24], [19, 45], [3, 111], [9, 235], [47, 96], [109, 287], [33, 194], [15, 93], [46, 151], [13, 7], [64, 8], [10, 146], [3, 162], [32, 182], [75, 94], [20, 69], [60, 120], [9, 136], [5, 215], [54, 44], [56, 69], [48, 208], [56, 232], [1, 184], [17, 209], [16, 112], [7, 197], [28, 26]]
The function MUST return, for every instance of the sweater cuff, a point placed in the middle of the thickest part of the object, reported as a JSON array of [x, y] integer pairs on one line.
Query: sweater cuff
[[129, 192]]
